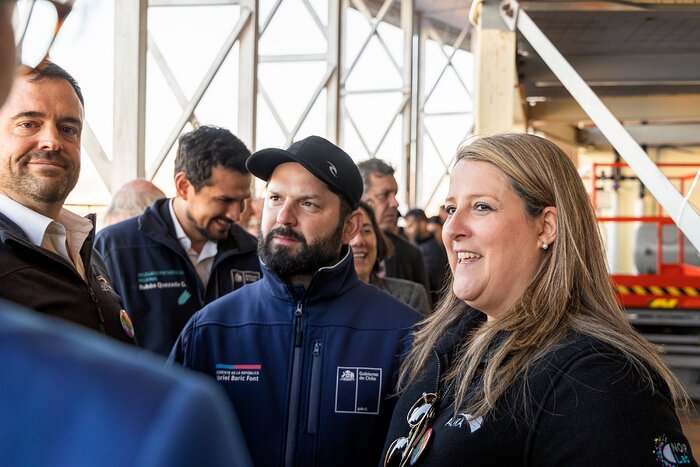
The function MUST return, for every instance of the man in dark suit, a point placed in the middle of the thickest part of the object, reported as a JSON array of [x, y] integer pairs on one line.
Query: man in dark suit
[[380, 189]]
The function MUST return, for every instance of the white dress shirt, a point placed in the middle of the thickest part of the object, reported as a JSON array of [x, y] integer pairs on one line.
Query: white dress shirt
[[64, 237], [202, 261]]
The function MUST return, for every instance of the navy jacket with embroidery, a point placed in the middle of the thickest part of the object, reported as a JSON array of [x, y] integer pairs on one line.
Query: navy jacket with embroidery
[[586, 407], [158, 284], [44, 281], [310, 373], [70, 397]]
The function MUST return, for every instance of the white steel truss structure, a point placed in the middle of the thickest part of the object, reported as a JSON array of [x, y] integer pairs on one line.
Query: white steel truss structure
[[261, 119]]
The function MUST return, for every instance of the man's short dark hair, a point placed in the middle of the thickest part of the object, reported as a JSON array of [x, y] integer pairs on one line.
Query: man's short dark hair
[[208, 146], [49, 70], [376, 167], [419, 214]]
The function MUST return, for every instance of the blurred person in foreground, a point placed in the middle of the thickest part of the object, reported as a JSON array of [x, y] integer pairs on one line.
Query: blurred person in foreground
[[309, 355], [530, 360], [70, 397], [379, 191], [186, 251], [130, 200], [369, 247]]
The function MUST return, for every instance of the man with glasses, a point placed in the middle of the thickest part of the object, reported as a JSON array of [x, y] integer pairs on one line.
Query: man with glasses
[[70, 397], [309, 354]]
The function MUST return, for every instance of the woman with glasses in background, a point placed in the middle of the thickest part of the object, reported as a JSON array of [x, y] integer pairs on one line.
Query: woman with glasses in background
[[369, 247], [529, 360]]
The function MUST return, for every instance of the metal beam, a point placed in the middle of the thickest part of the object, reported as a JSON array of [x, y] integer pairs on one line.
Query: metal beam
[[660, 108], [407, 75], [169, 76], [97, 155], [129, 134], [650, 135], [334, 54], [495, 73], [157, 3], [248, 77], [643, 69], [199, 92], [686, 218]]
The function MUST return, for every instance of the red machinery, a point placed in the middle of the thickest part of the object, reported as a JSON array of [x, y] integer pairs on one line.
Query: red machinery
[[663, 305], [674, 285]]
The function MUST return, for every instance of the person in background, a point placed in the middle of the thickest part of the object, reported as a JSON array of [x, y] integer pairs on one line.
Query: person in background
[[308, 355], [379, 191], [250, 218], [47, 261], [530, 360], [369, 248], [71, 397], [433, 252], [435, 228], [185, 252], [130, 200]]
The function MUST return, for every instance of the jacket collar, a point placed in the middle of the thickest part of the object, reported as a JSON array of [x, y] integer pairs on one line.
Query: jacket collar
[[327, 283]]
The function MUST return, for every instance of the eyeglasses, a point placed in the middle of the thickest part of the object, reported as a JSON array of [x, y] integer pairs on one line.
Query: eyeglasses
[[36, 24], [408, 449]]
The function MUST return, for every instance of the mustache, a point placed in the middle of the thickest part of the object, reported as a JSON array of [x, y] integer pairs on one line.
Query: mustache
[[53, 156], [285, 232]]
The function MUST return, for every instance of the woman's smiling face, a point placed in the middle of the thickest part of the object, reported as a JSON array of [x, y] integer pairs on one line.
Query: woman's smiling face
[[492, 244]]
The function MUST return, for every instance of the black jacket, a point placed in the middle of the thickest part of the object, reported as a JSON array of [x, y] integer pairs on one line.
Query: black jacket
[[407, 261], [587, 407], [158, 284], [435, 258], [44, 281]]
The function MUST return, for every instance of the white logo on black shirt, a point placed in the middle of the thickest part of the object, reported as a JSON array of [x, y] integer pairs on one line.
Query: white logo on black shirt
[[458, 421]]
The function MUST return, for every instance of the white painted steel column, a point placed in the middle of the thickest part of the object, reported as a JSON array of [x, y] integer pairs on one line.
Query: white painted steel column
[[334, 56], [407, 73], [248, 77], [494, 53], [129, 127], [685, 217]]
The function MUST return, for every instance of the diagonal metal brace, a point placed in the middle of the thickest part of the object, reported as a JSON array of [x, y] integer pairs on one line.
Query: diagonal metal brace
[[687, 219]]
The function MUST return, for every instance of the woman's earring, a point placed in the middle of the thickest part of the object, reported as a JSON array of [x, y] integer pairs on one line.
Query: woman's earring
[[545, 246]]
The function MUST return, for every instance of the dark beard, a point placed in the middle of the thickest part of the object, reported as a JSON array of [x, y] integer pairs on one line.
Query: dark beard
[[285, 264]]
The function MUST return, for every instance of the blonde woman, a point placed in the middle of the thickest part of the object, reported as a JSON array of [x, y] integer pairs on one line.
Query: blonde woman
[[530, 360]]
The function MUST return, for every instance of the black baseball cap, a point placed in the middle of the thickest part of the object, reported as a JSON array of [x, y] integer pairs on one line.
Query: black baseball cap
[[323, 159]]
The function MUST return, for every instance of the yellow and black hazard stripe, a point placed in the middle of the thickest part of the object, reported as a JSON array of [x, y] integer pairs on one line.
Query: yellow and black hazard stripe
[[654, 290]]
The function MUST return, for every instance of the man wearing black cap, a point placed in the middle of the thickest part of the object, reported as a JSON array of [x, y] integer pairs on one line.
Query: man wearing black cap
[[309, 354]]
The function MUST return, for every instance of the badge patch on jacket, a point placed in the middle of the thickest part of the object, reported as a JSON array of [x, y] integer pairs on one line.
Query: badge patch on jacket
[[669, 454], [104, 283], [358, 390], [240, 278], [126, 323], [238, 372]]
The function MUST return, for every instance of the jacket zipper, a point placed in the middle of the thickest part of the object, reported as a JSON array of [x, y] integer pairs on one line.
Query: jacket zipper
[[293, 411], [315, 391], [100, 316]]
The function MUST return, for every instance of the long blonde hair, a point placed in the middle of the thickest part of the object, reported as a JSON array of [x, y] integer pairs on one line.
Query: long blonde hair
[[571, 291]]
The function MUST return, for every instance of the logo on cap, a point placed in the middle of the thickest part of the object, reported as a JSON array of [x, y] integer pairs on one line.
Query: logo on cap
[[332, 169]]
